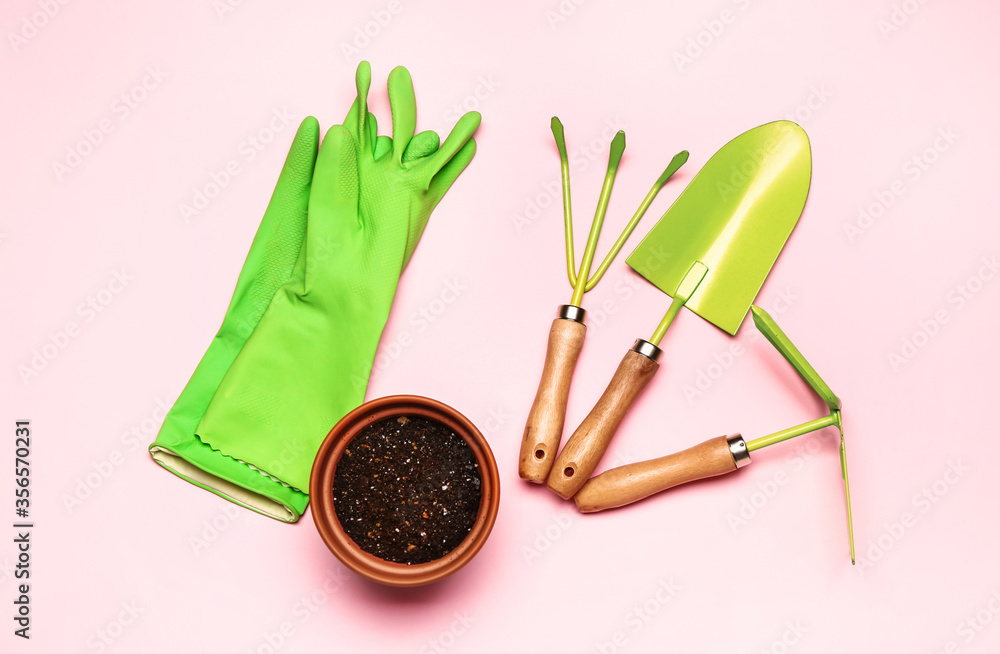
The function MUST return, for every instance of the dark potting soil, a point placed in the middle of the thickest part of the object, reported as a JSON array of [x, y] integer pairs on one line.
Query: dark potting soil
[[407, 489]]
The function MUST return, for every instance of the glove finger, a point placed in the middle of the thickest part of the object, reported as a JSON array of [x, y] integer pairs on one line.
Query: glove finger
[[383, 144], [459, 137], [439, 185], [333, 202], [351, 120], [423, 144], [372, 142], [297, 172], [358, 118], [445, 177], [279, 238], [403, 105]]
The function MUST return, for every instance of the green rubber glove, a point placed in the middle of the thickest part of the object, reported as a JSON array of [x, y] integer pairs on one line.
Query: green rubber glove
[[308, 361], [269, 264]]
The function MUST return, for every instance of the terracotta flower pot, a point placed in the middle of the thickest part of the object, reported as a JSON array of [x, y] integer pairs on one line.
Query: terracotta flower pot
[[325, 516]]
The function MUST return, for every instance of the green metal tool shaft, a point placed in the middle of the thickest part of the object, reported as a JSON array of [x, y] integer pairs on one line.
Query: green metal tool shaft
[[679, 160], [684, 291], [581, 286], [560, 137], [614, 158], [791, 432]]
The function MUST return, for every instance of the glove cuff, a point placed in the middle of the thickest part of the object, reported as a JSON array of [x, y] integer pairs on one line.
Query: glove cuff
[[206, 468]]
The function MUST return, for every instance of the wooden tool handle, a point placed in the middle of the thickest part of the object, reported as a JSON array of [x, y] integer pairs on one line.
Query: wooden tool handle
[[585, 448], [636, 481], [544, 427]]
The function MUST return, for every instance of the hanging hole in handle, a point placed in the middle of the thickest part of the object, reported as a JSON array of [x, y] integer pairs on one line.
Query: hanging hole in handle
[[539, 454], [568, 472]]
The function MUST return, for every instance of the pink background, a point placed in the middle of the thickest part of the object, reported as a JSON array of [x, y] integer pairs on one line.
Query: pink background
[[673, 573]]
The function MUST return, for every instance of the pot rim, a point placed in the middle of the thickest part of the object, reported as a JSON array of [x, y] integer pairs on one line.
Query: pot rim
[[325, 516]]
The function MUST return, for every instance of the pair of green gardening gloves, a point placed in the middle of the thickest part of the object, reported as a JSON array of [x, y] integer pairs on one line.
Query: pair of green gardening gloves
[[296, 347]]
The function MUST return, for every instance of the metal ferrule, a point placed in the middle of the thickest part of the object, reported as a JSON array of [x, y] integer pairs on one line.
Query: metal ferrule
[[647, 349], [572, 312], [738, 448]]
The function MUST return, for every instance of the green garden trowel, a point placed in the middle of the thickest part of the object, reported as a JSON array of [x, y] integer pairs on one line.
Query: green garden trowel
[[717, 456], [710, 252]]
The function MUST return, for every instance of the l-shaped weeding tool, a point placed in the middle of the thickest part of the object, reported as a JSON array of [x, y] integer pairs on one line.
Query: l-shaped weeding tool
[[717, 456], [544, 426]]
